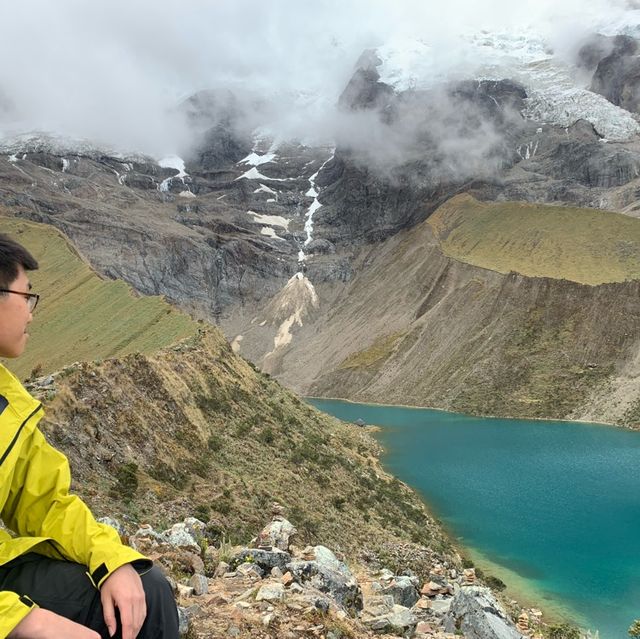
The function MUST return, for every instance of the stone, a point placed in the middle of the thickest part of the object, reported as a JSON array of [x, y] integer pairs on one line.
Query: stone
[[200, 584], [296, 588], [423, 604], [181, 536], [400, 620], [247, 594], [277, 572], [172, 583], [378, 606], [250, 570], [469, 576], [114, 523], [183, 621], [386, 575], [441, 607], [328, 575], [287, 579], [277, 534], [146, 531], [523, 623], [476, 613], [271, 592], [195, 562], [423, 628], [184, 591], [221, 569], [266, 559], [403, 591]]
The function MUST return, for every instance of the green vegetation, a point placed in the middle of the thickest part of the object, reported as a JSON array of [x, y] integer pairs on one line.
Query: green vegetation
[[82, 317], [126, 481], [536, 378], [583, 245], [562, 631], [376, 354]]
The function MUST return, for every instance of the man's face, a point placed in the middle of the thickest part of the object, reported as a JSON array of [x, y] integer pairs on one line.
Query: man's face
[[14, 317]]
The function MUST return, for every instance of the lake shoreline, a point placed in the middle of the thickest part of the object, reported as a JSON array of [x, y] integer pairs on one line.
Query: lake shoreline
[[479, 415], [522, 590]]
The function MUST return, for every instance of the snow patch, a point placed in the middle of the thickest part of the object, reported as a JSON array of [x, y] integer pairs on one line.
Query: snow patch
[[12, 158], [254, 174], [253, 159], [187, 194], [270, 220], [65, 165], [269, 232], [263, 188], [172, 162]]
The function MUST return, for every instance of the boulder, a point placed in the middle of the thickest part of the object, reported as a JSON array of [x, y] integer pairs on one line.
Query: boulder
[[399, 620], [114, 523], [271, 592], [329, 575], [403, 591], [250, 569], [476, 613], [199, 584], [277, 534], [183, 621], [266, 559], [182, 536]]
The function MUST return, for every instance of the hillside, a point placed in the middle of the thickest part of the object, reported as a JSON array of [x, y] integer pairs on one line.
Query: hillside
[[559, 242], [417, 326], [82, 316], [208, 434]]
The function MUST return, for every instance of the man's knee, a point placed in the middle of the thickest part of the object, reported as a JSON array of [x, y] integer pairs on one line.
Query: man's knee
[[162, 613], [157, 587]]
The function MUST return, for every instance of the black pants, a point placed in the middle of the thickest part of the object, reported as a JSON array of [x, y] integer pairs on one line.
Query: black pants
[[64, 588]]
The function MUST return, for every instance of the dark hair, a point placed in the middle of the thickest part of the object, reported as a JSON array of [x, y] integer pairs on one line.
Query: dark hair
[[12, 256]]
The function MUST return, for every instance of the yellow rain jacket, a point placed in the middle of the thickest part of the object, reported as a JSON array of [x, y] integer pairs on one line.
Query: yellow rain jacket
[[35, 503]]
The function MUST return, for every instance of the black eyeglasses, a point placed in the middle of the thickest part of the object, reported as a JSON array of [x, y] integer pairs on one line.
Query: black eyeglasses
[[32, 298]]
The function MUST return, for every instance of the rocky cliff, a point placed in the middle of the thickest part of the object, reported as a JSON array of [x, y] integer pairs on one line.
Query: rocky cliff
[[295, 250]]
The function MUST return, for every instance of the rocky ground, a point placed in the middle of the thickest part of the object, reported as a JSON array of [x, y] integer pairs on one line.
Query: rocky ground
[[272, 588]]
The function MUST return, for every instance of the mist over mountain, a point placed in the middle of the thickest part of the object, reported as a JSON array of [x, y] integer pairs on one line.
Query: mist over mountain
[[117, 74]]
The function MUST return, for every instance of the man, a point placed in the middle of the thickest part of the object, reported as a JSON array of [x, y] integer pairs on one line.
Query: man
[[63, 575]]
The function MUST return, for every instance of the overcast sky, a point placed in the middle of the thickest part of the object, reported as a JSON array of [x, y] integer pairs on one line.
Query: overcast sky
[[113, 70]]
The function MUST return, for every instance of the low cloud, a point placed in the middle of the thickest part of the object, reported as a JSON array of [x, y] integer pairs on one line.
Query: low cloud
[[113, 72]]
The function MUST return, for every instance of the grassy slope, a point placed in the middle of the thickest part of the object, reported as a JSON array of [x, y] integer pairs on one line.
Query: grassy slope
[[81, 316], [211, 435], [583, 245]]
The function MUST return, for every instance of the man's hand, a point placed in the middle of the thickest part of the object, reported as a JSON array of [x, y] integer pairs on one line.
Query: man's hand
[[44, 624], [123, 590]]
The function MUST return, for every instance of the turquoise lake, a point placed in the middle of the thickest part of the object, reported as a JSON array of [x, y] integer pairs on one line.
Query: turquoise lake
[[557, 503]]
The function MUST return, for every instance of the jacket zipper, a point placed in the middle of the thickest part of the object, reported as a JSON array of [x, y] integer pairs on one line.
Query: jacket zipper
[[15, 437]]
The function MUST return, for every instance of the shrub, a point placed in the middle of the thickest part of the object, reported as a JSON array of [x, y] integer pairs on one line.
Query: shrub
[[202, 512], [214, 443], [563, 631], [495, 583], [127, 480]]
